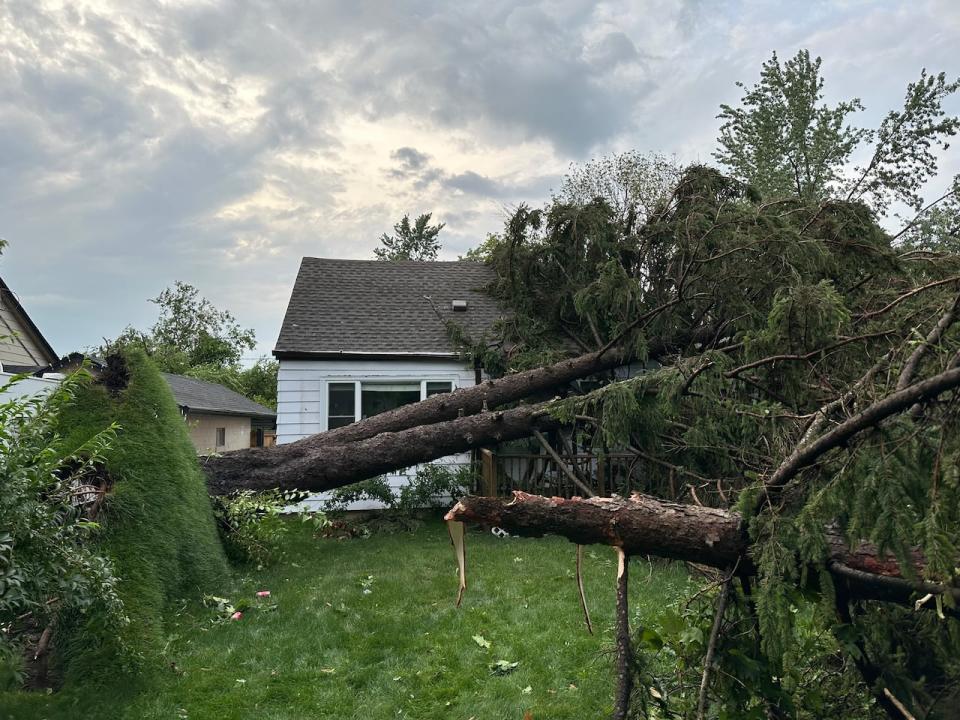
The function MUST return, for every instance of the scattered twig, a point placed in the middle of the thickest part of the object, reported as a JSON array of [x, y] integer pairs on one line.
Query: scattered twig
[[898, 705]]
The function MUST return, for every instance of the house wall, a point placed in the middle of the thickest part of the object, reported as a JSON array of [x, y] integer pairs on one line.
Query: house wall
[[17, 346], [302, 400], [203, 431], [26, 386]]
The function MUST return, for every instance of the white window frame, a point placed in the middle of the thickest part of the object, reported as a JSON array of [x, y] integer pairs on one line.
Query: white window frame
[[358, 389]]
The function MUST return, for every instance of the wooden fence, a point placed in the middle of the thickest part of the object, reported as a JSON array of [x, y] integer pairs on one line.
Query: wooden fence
[[611, 473]]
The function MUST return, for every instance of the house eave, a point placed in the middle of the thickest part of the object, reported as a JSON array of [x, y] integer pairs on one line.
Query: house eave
[[186, 410], [361, 355]]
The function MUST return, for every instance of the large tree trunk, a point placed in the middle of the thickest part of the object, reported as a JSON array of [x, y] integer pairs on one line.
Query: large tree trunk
[[644, 525], [316, 468], [403, 437], [488, 395]]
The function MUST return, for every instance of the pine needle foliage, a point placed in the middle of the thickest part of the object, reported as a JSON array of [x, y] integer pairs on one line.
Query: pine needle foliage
[[751, 321]]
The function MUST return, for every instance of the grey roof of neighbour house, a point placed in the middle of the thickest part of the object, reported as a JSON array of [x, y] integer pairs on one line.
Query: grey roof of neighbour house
[[390, 308], [207, 397]]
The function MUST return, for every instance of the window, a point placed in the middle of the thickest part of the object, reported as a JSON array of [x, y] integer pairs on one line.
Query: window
[[348, 402], [438, 388], [341, 408], [378, 397], [221, 437]]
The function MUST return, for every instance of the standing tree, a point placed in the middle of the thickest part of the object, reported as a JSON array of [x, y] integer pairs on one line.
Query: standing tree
[[193, 337], [782, 139], [416, 242], [785, 142]]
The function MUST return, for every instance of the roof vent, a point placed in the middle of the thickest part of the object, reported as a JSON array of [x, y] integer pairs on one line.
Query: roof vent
[[459, 305]]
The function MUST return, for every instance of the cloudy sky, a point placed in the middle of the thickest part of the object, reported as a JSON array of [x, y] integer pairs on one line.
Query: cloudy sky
[[143, 142]]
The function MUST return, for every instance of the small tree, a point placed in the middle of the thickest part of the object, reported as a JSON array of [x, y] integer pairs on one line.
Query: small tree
[[416, 242]]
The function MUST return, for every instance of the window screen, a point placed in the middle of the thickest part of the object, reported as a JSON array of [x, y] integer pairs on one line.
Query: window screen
[[379, 397], [341, 408], [221, 437], [438, 388]]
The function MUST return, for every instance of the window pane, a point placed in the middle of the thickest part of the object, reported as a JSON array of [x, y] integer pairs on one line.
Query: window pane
[[437, 388], [341, 399], [380, 397], [221, 437], [335, 422]]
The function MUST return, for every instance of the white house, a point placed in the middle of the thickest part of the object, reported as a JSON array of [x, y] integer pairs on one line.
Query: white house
[[364, 336], [23, 348]]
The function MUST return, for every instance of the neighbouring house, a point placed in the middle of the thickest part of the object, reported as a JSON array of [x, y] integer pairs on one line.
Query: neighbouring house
[[23, 348], [361, 337], [220, 419]]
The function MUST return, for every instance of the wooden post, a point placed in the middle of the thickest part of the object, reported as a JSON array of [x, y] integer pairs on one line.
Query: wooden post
[[601, 475], [489, 472]]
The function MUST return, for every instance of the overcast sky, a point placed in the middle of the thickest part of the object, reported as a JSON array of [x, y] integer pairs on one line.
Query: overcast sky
[[219, 142]]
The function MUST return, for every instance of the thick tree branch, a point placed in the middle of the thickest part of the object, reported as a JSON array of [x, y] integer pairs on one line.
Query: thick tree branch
[[644, 525], [932, 338], [806, 455]]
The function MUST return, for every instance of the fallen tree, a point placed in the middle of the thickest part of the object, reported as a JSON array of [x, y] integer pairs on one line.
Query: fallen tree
[[644, 525], [318, 462], [321, 466], [795, 388]]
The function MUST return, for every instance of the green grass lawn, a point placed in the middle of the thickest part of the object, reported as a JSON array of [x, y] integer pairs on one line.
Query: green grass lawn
[[401, 650]]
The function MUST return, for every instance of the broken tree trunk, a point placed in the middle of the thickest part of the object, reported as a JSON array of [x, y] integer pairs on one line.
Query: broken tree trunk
[[325, 467], [644, 525]]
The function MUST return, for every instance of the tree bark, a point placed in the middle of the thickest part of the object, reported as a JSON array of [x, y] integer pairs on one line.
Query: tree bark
[[644, 525], [300, 461], [316, 468], [488, 395]]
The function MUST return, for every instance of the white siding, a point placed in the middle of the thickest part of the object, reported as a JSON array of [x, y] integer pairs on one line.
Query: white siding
[[302, 399], [17, 346], [26, 386]]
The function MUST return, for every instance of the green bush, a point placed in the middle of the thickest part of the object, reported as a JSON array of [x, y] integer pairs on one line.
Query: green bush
[[431, 489], [251, 524], [159, 532]]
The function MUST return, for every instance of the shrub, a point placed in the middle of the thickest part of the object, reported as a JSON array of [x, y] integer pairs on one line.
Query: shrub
[[432, 488], [251, 524], [49, 562], [158, 528]]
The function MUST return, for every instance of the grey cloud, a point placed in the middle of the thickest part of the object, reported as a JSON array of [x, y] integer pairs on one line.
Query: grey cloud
[[121, 147], [410, 159], [417, 168], [475, 184]]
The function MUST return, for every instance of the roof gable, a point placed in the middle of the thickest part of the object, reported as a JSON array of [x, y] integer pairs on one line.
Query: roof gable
[[22, 343], [203, 396], [388, 308]]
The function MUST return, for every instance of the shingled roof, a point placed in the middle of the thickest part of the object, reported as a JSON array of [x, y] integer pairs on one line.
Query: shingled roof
[[207, 397], [340, 308]]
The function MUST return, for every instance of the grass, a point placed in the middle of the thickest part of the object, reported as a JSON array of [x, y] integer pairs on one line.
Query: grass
[[330, 650]]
